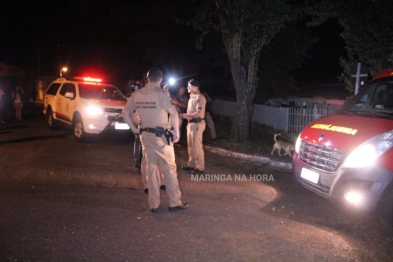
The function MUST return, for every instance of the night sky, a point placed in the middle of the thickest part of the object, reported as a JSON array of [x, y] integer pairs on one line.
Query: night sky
[[119, 40]]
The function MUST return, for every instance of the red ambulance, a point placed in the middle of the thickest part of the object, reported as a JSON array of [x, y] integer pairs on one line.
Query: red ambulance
[[348, 156]]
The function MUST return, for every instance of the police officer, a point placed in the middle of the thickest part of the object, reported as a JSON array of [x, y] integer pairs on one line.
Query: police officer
[[140, 161], [195, 127], [153, 105], [145, 178]]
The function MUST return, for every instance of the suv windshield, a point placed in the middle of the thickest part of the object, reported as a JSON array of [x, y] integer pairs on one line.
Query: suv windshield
[[374, 100], [100, 92]]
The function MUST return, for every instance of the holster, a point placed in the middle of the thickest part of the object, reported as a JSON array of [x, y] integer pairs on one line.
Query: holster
[[169, 136], [160, 131]]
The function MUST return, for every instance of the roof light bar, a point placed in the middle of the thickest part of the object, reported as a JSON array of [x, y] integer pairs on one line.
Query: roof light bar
[[89, 79]]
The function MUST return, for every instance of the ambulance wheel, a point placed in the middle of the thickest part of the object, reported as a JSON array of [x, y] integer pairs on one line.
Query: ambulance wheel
[[78, 130]]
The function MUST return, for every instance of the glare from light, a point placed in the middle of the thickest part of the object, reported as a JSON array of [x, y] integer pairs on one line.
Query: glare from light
[[353, 197], [94, 110], [363, 156], [91, 126], [63, 69], [171, 81]]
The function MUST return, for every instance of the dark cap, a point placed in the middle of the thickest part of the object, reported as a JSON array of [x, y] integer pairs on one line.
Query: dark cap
[[194, 82]]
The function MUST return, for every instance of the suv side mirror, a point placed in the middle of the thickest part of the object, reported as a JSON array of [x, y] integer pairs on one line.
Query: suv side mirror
[[69, 95]]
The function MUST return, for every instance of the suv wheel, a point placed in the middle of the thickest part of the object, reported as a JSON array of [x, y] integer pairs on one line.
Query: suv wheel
[[78, 129], [50, 120]]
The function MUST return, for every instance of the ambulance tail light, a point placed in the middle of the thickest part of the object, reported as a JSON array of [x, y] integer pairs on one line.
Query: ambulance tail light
[[366, 154]]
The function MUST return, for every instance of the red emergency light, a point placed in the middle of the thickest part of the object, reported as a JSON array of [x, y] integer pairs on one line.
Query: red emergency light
[[90, 79]]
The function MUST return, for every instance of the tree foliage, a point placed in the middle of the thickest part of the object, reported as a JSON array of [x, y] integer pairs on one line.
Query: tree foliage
[[252, 23], [366, 31], [286, 52], [246, 27]]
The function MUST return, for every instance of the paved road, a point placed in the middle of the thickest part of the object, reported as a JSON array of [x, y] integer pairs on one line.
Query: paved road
[[65, 201]]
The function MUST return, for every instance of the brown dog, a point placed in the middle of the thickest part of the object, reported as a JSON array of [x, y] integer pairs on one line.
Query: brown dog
[[280, 144]]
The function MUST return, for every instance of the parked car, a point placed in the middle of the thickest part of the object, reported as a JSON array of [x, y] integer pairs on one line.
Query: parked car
[[347, 156], [86, 105]]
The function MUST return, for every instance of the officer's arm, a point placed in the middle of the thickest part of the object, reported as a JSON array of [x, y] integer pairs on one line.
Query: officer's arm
[[194, 115], [178, 103], [200, 110], [175, 123], [128, 117], [135, 118]]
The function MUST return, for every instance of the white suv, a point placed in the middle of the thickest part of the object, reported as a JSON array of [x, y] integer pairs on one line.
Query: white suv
[[86, 105]]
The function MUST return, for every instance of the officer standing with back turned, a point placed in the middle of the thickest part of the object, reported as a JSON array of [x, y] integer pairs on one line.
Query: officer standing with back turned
[[153, 105]]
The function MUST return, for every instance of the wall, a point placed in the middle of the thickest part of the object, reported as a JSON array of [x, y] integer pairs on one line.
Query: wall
[[41, 84], [280, 118], [268, 115]]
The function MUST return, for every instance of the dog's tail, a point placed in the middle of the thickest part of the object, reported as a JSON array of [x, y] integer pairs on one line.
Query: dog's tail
[[275, 137]]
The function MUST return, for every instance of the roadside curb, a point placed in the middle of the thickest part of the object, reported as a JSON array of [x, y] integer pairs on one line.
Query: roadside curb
[[252, 158]]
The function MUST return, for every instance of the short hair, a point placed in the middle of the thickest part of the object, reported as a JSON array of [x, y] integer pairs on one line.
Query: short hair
[[194, 82], [154, 74]]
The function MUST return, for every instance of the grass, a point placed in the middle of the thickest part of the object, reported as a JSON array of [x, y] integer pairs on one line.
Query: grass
[[261, 137]]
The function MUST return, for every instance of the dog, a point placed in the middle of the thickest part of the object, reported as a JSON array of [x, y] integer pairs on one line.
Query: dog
[[280, 144]]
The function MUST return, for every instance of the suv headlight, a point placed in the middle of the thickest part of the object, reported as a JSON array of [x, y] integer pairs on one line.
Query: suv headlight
[[93, 110], [366, 154]]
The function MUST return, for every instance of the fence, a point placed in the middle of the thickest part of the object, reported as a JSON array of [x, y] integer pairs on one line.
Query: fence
[[298, 118], [288, 119]]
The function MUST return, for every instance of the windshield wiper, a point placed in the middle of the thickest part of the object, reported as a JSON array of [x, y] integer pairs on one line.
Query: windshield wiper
[[376, 113], [347, 112]]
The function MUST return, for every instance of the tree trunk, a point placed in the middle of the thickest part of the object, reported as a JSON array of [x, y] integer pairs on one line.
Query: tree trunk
[[240, 130]]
